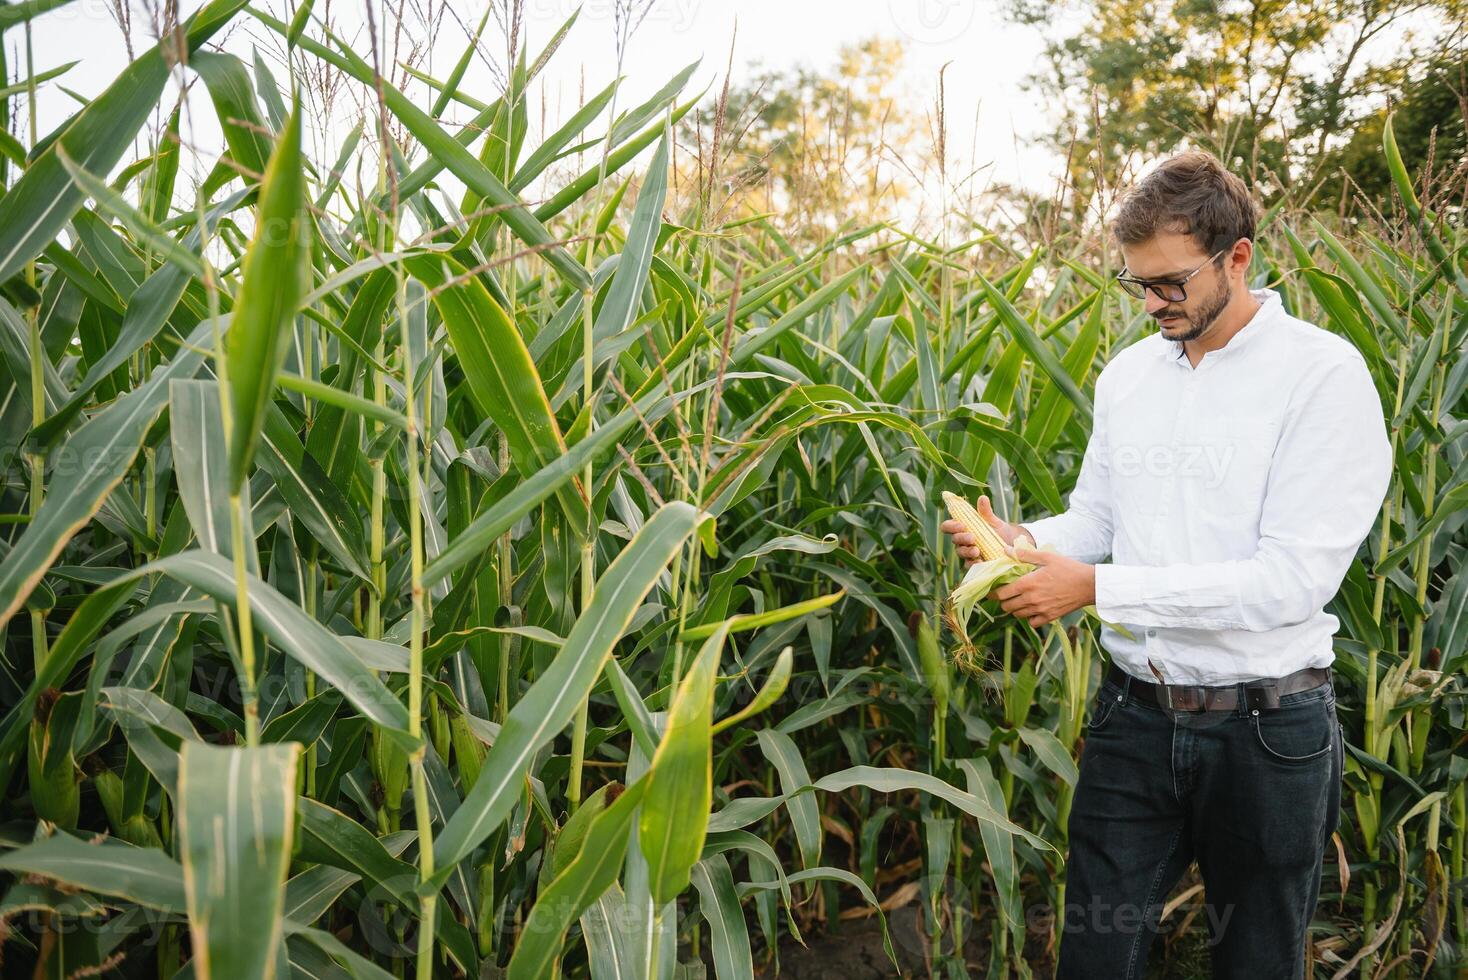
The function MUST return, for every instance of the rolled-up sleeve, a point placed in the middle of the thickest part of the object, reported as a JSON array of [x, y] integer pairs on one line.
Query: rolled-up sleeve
[[1084, 530], [1329, 475]]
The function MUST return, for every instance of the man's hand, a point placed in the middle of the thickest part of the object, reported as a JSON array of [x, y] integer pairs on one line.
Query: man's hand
[[964, 542], [1058, 585]]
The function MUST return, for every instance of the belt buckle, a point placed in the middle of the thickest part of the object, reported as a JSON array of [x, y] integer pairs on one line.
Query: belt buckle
[[1262, 696], [1188, 698]]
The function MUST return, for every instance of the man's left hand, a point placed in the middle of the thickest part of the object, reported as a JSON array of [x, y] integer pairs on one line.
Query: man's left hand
[[1058, 585]]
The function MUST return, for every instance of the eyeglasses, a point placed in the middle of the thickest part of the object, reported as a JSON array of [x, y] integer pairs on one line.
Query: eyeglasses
[[1167, 290]]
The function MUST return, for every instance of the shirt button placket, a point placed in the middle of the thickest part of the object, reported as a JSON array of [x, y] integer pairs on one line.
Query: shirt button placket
[[1183, 426]]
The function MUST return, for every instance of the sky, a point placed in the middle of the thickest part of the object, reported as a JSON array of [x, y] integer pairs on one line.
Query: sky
[[991, 119]]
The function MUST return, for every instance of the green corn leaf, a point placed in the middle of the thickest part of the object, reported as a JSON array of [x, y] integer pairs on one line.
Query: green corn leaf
[[244, 128], [1048, 750], [449, 153], [136, 704], [745, 810], [585, 879], [728, 935], [283, 622], [549, 704], [142, 227], [147, 314], [1449, 504], [1397, 167], [196, 432], [1036, 349], [236, 818], [352, 965], [630, 278], [751, 621], [1052, 409], [1367, 284], [15, 352], [1033, 475], [97, 455], [502, 377], [998, 846], [18, 13], [311, 894], [618, 158], [757, 340], [25, 84], [298, 23], [779, 748], [331, 837], [770, 692], [311, 496], [838, 875], [276, 276], [635, 712], [674, 818], [550, 150], [45, 198], [145, 876], [335, 439]]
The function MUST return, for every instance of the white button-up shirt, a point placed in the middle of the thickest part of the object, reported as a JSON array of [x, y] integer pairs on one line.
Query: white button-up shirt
[[1231, 498]]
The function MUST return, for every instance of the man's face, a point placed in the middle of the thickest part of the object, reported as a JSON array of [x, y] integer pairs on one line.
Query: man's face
[[1172, 255]]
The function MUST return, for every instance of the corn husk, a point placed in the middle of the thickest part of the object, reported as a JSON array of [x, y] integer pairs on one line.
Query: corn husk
[[995, 567]]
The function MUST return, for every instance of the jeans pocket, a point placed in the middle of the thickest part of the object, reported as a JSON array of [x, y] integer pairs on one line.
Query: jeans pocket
[[1108, 700], [1299, 732]]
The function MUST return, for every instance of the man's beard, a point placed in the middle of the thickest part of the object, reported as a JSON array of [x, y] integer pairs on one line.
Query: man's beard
[[1200, 320]]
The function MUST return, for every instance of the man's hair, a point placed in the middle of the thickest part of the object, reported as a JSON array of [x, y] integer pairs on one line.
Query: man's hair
[[1192, 194]]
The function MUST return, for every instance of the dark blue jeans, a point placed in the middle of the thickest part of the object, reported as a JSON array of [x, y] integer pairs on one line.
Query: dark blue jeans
[[1253, 798]]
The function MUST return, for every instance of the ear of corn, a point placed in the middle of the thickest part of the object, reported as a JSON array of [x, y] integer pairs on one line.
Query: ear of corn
[[991, 546], [994, 567]]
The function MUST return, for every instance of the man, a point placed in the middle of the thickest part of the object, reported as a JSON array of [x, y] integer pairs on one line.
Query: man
[[1237, 460]]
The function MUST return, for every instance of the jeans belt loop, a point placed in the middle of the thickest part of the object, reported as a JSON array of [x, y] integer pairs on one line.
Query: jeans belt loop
[[1241, 707], [1126, 691]]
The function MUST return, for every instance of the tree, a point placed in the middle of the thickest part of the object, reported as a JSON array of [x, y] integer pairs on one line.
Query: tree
[[1275, 87], [819, 147], [1429, 127]]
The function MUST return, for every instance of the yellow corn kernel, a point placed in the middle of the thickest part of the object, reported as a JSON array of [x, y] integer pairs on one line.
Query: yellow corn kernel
[[991, 546]]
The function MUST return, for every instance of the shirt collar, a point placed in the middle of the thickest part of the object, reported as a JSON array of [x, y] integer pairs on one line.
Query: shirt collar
[[1270, 307]]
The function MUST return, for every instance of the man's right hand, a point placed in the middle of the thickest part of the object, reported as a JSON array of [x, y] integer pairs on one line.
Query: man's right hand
[[968, 548]]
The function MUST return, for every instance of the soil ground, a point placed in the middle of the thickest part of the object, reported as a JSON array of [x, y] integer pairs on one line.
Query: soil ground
[[856, 953]]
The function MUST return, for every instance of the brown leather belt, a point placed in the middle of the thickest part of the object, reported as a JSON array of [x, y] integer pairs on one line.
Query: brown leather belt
[[1258, 694]]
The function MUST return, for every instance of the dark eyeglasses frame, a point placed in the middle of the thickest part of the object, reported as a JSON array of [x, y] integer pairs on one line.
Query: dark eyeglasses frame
[[1139, 287]]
